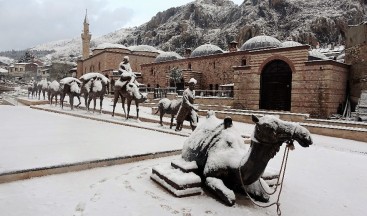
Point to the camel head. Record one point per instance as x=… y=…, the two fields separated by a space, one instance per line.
x=272 y=130
x=133 y=91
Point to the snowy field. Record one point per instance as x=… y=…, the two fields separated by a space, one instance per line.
x=327 y=178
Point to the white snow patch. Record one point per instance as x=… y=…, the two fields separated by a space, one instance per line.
x=97 y=85
x=214 y=183
x=91 y=75
x=68 y=80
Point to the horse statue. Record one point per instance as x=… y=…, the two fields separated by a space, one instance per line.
x=70 y=86
x=130 y=92
x=88 y=84
x=227 y=165
x=42 y=87
x=54 y=90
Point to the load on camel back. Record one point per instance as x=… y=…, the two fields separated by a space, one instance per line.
x=216 y=152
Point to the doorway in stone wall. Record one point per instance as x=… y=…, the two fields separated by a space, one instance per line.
x=276 y=86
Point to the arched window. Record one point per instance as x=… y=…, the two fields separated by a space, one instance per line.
x=214 y=65
x=243 y=62
x=99 y=66
x=189 y=66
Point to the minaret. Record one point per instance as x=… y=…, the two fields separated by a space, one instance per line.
x=86 y=37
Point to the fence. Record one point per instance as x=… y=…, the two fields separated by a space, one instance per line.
x=162 y=92
x=210 y=93
x=158 y=92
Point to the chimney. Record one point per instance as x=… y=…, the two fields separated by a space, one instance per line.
x=187 y=52
x=233 y=46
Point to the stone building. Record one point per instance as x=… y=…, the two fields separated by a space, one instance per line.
x=106 y=58
x=356 y=56
x=265 y=73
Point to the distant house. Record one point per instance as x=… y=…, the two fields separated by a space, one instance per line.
x=23 y=70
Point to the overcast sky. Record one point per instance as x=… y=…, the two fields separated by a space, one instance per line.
x=26 y=23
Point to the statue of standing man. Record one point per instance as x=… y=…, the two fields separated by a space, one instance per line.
x=187 y=109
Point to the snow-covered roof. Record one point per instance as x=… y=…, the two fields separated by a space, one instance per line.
x=291 y=44
x=206 y=49
x=143 y=48
x=227 y=85
x=341 y=58
x=261 y=42
x=317 y=54
x=110 y=45
x=167 y=56
x=2 y=70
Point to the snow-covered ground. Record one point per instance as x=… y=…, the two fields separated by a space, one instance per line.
x=327 y=178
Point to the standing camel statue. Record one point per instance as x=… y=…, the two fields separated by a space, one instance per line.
x=130 y=92
x=227 y=165
x=97 y=90
x=87 y=80
x=70 y=86
x=54 y=91
x=168 y=106
x=42 y=87
x=31 y=88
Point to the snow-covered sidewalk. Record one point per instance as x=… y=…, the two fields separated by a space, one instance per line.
x=325 y=179
x=31 y=138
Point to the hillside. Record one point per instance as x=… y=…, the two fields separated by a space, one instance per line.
x=221 y=21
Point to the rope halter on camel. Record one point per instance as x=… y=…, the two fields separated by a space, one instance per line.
x=289 y=146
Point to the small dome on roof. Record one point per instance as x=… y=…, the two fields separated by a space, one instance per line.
x=143 y=48
x=206 y=49
x=167 y=56
x=317 y=54
x=110 y=45
x=261 y=42
x=291 y=44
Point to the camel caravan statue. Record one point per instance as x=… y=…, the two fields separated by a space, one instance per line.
x=226 y=165
x=70 y=86
x=94 y=85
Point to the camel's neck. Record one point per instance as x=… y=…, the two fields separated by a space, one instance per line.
x=257 y=159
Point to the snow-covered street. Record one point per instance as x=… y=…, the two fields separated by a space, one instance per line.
x=328 y=178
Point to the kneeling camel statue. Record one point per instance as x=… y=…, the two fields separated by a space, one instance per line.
x=226 y=164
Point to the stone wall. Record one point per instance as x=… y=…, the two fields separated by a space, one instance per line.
x=356 y=56
x=109 y=60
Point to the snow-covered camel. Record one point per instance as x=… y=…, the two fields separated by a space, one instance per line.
x=97 y=90
x=70 y=86
x=32 y=88
x=42 y=87
x=54 y=91
x=168 y=106
x=87 y=80
x=227 y=165
x=130 y=92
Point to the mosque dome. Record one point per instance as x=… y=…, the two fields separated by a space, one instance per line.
x=291 y=44
x=206 y=49
x=167 y=56
x=110 y=45
x=143 y=48
x=261 y=42
x=316 y=54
